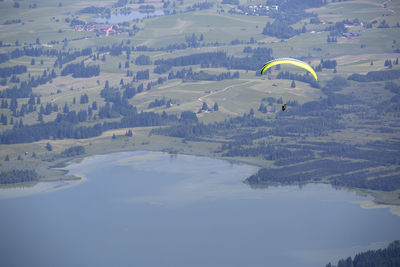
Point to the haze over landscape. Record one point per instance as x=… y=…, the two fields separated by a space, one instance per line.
x=108 y=85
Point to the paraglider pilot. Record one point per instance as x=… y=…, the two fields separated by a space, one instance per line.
x=283 y=107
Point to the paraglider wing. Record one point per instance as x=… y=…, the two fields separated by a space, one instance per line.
x=292 y=61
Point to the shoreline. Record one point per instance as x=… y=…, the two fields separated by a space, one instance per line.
x=80 y=178
x=50 y=168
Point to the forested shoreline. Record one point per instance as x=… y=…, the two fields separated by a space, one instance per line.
x=389 y=256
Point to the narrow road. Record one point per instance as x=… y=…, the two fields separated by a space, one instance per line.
x=223 y=90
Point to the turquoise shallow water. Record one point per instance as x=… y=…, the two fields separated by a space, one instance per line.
x=153 y=209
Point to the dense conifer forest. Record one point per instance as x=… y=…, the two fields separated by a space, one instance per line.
x=389 y=256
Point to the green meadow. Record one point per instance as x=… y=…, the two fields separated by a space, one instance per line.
x=48 y=24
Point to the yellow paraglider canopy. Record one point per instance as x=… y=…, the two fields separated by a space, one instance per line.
x=292 y=61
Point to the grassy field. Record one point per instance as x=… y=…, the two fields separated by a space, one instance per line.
x=47 y=18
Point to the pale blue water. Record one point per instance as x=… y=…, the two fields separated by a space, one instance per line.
x=119 y=18
x=151 y=209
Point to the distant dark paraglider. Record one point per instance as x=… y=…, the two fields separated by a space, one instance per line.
x=283 y=107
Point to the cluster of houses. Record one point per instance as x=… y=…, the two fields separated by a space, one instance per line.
x=256 y=10
x=107 y=29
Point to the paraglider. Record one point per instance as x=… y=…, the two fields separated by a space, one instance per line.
x=292 y=61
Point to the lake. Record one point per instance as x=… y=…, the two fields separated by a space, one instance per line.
x=134 y=15
x=155 y=209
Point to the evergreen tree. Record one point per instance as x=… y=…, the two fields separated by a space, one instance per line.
x=129 y=133
x=13 y=104
x=216 y=106
x=40 y=117
x=143 y=60
x=4 y=103
x=22 y=111
x=31 y=100
x=66 y=108
x=251 y=114
x=7 y=158
x=48 y=109
x=49 y=147
x=84 y=99
x=293 y=84
x=3 y=119
x=388 y=63
x=140 y=88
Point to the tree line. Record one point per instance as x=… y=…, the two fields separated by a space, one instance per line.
x=218 y=59
x=18 y=176
x=281 y=29
x=32 y=52
x=14 y=70
x=25 y=88
x=189 y=75
x=79 y=70
x=374 y=76
x=66 y=126
x=306 y=78
x=65 y=57
x=389 y=256
x=160 y=102
x=311 y=171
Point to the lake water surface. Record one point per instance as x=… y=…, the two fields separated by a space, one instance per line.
x=153 y=209
x=134 y=15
